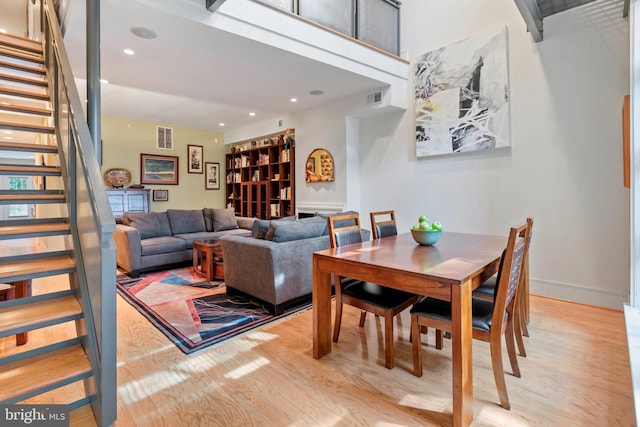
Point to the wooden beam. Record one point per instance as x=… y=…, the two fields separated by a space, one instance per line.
x=532 y=17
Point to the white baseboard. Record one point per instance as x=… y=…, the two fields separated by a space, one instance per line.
x=579 y=294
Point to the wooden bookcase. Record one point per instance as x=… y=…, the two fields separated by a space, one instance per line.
x=260 y=177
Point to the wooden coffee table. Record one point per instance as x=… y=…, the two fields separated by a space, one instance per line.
x=207 y=259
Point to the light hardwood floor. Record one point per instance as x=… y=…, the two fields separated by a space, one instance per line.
x=576 y=374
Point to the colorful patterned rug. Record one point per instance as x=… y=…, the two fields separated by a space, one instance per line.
x=192 y=313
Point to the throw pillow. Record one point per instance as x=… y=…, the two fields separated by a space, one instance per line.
x=287 y=231
x=207 y=213
x=153 y=224
x=185 y=221
x=224 y=219
x=260 y=228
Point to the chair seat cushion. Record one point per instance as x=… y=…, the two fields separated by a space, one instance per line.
x=482 y=311
x=381 y=296
x=488 y=287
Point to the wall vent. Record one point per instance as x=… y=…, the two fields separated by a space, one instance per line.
x=164 y=139
x=374 y=98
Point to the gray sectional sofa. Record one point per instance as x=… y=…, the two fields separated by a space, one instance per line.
x=275 y=263
x=149 y=241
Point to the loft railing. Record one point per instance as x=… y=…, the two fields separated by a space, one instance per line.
x=374 y=22
x=90 y=219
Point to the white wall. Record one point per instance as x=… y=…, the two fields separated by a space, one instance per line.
x=564 y=166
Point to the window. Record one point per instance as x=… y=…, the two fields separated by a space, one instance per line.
x=18 y=183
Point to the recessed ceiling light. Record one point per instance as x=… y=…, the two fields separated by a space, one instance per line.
x=143 y=33
x=220 y=124
x=128 y=51
x=317 y=92
x=252 y=114
x=104 y=81
x=294 y=99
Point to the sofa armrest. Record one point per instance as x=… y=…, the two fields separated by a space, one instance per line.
x=128 y=247
x=273 y=272
x=244 y=222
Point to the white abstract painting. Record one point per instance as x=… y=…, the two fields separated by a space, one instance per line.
x=462 y=96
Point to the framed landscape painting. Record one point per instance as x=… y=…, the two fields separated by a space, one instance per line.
x=155 y=169
x=462 y=96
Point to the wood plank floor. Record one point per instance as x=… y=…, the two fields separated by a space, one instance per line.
x=576 y=374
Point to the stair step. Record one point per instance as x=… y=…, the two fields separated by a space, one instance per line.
x=32 y=268
x=82 y=417
x=12 y=197
x=24 y=79
x=25 y=109
x=24 y=68
x=22 y=93
x=35 y=315
x=44 y=372
x=23 y=43
x=26 y=146
x=27 y=127
x=23 y=231
x=30 y=170
x=21 y=55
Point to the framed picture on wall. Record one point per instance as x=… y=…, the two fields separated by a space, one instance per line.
x=155 y=169
x=194 y=158
x=212 y=176
x=160 y=195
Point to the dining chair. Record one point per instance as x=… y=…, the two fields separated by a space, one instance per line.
x=383 y=224
x=521 y=316
x=491 y=319
x=368 y=297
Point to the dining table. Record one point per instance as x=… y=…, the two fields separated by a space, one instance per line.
x=448 y=270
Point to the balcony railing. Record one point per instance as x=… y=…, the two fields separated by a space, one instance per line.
x=374 y=22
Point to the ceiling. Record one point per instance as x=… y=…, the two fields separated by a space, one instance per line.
x=197 y=76
x=194 y=75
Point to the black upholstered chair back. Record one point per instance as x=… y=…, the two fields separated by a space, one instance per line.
x=344 y=229
x=348 y=237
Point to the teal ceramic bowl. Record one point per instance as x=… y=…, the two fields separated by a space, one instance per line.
x=426 y=238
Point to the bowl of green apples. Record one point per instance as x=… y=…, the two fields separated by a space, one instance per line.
x=426 y=232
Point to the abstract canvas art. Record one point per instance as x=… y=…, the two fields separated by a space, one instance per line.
x=462 y=96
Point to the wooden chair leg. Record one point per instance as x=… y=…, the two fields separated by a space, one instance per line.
x=517 y=331
x=388 y=341
x=511 y=348
x=439 y=339
x=338 y=321
x=417 y=346
x=22 y=291
x=498 y=372
x=363 y=317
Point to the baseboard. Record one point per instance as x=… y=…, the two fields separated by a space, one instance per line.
x=579 y=294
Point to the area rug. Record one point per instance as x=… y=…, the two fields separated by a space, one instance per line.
x=193 y=313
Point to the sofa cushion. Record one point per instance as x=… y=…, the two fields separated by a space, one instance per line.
x=261 y=226
x=207 y=213
x=286 y=231
x=152 y=224
x=224 y=219
x=186 y=221
x=162 y=245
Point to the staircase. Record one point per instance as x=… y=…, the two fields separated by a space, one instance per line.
x=54 y=230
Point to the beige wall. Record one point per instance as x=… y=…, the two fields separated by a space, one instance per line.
x=123 y=140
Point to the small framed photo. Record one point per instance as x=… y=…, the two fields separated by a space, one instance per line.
x=160 y=195
x=194 y=158
x=212 y=176
x=162 y=170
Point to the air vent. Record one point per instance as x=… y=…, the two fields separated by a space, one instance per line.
x=374 y=98
x=164 y=138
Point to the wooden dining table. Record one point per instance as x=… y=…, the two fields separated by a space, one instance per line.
x=448 y=270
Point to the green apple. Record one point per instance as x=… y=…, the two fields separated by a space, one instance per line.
x=436 y=225
x=416 y=227
x=425 y=226
x=423 y=218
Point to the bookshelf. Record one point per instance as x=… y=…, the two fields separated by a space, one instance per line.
x=260 y=177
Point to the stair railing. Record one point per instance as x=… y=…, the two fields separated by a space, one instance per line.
x=90 y=217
